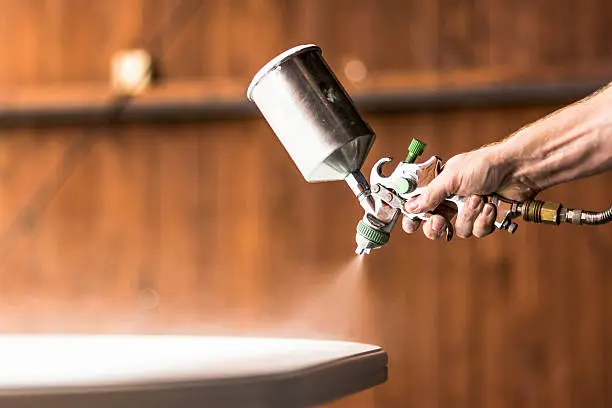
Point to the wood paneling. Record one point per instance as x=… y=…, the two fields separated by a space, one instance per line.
x=70 y=40
x=209 y=228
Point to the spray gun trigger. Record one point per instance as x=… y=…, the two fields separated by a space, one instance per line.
x=393 y=200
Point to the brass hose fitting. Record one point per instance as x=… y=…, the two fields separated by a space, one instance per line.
x=545 y=212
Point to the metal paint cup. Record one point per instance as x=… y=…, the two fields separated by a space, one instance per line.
x=311 y=114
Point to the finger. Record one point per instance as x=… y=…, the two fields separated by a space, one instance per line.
x=484 y=224
x=467 y=216
x=409 y=225
x=431 y=197
x=435 y=227
x=447 y=210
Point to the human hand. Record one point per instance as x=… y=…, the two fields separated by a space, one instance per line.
x=472 y=175
x=571 y=143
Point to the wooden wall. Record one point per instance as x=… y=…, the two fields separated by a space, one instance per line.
x=207 y=227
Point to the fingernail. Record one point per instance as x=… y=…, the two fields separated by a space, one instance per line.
x=488 y=210
x=409 y=226
x=412 y=206
x=437 y=225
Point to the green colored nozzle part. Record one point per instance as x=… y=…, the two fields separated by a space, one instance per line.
x=415 y=149
x=374 y=235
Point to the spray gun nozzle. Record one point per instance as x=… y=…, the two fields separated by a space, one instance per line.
x=362 y=251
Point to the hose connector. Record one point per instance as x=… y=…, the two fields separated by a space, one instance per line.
x=542 y=212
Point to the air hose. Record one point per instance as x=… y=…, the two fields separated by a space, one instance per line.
x=588 y=217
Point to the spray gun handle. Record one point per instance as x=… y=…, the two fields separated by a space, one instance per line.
x=537 y=211
x=507 y=210
x=409 y=179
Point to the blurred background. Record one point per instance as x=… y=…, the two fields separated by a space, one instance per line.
x=176 y=210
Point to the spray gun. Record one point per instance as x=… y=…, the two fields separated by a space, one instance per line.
x=317 y=123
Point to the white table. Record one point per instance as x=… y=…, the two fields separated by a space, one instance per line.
x=182 y=371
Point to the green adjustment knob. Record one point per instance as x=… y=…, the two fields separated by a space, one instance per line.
x=415 y=149
x=404 y=186
x=374 y=235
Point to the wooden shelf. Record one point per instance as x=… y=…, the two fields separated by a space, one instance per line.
x=211 y=99
x=77 y=103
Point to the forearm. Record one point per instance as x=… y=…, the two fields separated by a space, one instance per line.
x=572 y=143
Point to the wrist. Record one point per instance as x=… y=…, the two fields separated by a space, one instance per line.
x=504 y=158
x=516 y=165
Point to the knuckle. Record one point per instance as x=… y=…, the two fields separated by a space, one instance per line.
x=463 y=227
x=465 y=215
x=425 y=195
x=476 y=204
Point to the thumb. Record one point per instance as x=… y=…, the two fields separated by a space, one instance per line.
x=431 y=197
